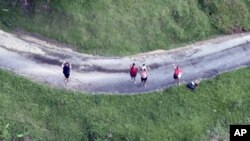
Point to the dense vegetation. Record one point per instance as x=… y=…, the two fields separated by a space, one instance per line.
x=122 y=27
x=37 y=112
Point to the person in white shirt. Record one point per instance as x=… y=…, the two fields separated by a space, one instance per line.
x=144 y=67
x=144 y=76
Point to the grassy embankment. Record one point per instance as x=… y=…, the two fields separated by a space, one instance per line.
x=123 y=27
x=42 y=113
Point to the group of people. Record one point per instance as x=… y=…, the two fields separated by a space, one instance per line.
x=144 y=74
x=133 y=73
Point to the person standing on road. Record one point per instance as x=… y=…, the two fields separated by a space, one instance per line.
x=144 y=76
x=177 y=74
x=133 y=72
x=144 y=67
x=66 y=71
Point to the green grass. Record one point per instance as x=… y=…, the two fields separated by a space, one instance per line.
x=124 y=27
x=176 y=114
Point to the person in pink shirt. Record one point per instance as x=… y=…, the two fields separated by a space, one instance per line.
x=144 y=76
x=177 y=74
x=133 y=72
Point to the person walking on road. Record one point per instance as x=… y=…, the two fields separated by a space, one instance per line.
x=66 y=71
x=144 y=67
x=133 y=72
x=144 y=76
x=177 y=74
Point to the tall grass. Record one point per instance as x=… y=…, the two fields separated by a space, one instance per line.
x=38 y=112
x=123 y=27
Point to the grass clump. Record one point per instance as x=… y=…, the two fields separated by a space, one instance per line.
x=227 y=16
x=37 y=112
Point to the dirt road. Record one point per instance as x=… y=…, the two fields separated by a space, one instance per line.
x=40 y=60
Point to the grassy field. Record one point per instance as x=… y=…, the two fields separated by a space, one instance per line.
x=124 y=27
x=37 y=112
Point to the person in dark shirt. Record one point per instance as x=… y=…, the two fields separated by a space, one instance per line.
x=66 y=71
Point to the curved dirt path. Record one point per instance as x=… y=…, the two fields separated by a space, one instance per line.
x=40 y=61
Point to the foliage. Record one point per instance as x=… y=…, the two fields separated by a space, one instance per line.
x=42 y=113
x=124 y=27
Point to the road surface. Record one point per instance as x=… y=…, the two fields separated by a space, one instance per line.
x=40 y=60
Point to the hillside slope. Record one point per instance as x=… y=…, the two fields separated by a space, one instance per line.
x=117 y=27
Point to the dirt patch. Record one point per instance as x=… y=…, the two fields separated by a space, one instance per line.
x=91 y=68
x=237 y=29
x=21 y=33
x=88 y=68
x=43 y=59
x=154 y=66
x=59 y=55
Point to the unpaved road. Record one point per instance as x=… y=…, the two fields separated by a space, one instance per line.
x=40 y=60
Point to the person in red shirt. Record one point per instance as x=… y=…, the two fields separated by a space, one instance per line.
x=177 y=74
x=133 y=72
